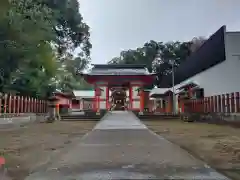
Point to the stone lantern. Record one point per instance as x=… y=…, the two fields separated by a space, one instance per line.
x=53 y=109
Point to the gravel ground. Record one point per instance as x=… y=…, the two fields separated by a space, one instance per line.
x=121 y=147
x=32 y=146
x=217 y=145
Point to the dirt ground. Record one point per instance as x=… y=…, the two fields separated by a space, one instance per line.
x=32 y=146
x=217 y=145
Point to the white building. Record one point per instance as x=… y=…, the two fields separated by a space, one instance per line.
x=83 y=100
x=215 y=66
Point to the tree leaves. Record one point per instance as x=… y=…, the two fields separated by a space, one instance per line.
x=32 y=32
x=69 y=27
x=156 y=56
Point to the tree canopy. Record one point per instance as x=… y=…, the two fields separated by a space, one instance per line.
x=37 y=41
x=158 y=56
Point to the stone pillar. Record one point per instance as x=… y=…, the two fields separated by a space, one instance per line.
x=53 y=110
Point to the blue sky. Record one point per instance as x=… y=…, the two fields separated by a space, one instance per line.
x=118 y=25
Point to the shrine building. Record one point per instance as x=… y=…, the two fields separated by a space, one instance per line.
x=119 y=86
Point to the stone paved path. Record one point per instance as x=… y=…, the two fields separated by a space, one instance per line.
x=121 y=147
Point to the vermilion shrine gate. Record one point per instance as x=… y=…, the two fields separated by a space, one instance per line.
x=119 y=86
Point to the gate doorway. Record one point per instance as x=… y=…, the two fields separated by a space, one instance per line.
x=118 y=97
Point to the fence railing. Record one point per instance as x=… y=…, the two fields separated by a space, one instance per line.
x=224 y=103
x=19 y=104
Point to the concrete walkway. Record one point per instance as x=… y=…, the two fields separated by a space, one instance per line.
x=121 y=147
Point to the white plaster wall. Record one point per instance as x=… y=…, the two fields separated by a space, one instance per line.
x=102 y=104
x=135 y=92
x=104 y=91
x=136 y=104
x=224 y=77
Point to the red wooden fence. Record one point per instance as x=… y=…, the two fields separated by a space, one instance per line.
x=20 y=104
x=225 y=103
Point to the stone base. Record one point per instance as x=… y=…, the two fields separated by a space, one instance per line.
x=17 y=120
x=232 y=119
x=51 y=119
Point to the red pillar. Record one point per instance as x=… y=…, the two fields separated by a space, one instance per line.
x=46 y=106
x=194 y=105
x=1 y=106
x=25 y=105
x=5 y=103
x=18 y=104
x=95 y=100
x=202 y=105
x=14 y=104
x=10 y=104
x=223 y=103
x=130 y=97
x=36 y=105
x=197 y=105
x=22 y=106
x=208 y=105
x=39 y=106
x=141 y=100
x=228 y=103
x=205 y=104
x=212 y=104
x=219 y=104
x=43 y=106
x=29 y=104
x=107 y=98
x=33 y=101
x=216 y=103
x=232 y=103
x=33 y=104
x=169 y=104
x=182 y=105
x=237 y=102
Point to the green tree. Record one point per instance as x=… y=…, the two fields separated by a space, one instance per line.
x=35 y=35
x=68 y=25
x=157 y=56
x=20 y=44
x=196 y=43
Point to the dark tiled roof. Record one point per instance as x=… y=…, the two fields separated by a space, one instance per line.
x=119 y=69
x=66 y=95
x=119 y=66
x=188 y=85
x=211 y=53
